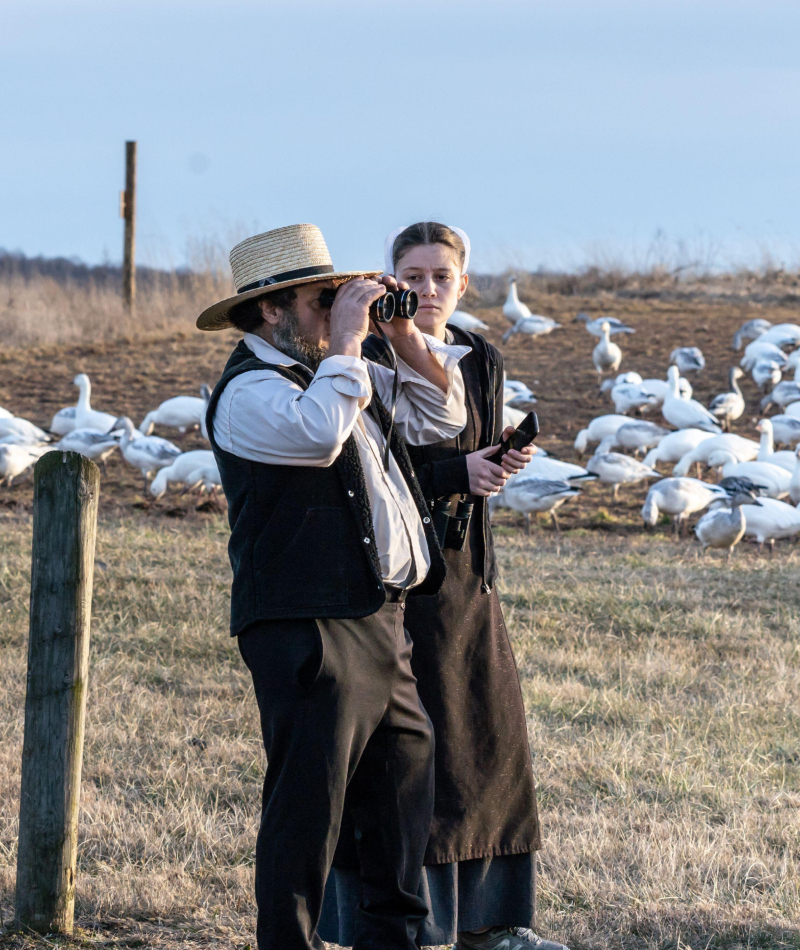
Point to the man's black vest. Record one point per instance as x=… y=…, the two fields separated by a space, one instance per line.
x=302 y=542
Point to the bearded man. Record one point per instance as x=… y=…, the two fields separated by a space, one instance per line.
x=326 y=541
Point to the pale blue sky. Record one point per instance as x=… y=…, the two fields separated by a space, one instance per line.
x=545 y=129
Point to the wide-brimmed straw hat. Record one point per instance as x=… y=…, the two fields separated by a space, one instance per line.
x=272 y=261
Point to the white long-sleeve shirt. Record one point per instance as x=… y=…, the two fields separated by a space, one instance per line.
x=264 y=417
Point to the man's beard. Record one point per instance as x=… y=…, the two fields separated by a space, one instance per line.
x=289 y=340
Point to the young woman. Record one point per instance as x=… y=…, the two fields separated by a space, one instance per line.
x=480 y=874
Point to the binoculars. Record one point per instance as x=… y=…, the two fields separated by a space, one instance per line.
x=394 y=303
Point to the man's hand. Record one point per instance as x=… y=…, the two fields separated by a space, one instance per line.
x=485 y=477
x=350 y=315
x=516 y=459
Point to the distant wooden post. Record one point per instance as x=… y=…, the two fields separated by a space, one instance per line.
x=66 y=488
x=128 y=211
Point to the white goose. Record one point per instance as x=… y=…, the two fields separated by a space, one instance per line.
x=675 y=445
x=766 y=450
x=514 y=309
x=783 y=334
x=793 y=409
x=516 y=392
x=594 y=327
x=640 y=436
x=794 y=484
x=180 y=412
x=771 y=521
x=613 y=468
x=606 y=356
x=729 y=406
x=685 y=413
x=17 y=459
x=774 y=478
x=21 y=427
x=660 y=387
x=766 y=374
x=530 y=494
x=750 y=330
x=598 y=429
x=546 y=467
x=628 y=397
x=179 y=471
x=535 y=325
x=64 y=420
x=679 y=498
x=205 y=479
x=761 y=350
x=5 y=414
x=743 y=450
x=688 y=359
x=786 y=428
x=465 y=321
x=92 y=443
x=85 y=416
x=630 y=377
x=148 y=453
x=784 y=393
x=724 y=527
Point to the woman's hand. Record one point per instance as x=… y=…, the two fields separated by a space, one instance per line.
x=485 y=477
x=516 y=459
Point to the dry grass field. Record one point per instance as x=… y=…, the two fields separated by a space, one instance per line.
x=662 y=690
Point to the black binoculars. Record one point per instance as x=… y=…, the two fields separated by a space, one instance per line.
x=394 y=303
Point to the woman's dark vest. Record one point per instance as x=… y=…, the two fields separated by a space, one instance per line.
x=302 y=541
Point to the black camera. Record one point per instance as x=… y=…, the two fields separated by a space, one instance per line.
x=394 y=303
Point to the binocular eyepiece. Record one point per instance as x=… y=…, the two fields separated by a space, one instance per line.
x=394 y=303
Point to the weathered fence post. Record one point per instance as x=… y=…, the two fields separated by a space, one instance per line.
x=129 y=214
x=66 y=489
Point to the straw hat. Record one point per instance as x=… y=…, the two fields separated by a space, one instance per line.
x=271 y=261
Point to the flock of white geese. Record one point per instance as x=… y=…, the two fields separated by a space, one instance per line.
x=98 y=435
x=758 y=491
x=757 y=495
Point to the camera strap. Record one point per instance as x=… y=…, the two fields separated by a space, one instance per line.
x=393 y=360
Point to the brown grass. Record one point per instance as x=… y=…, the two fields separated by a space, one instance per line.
x=663 y=691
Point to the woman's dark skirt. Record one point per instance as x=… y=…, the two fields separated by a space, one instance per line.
x=466 y=895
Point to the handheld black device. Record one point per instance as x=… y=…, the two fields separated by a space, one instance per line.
x=394 y=303
x=523 y=435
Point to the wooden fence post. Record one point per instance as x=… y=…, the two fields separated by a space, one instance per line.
x=66 y=488
x=129 y=214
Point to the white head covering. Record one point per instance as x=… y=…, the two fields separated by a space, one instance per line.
x=388 y=244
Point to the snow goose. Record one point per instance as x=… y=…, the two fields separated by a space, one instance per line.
x=205 y=479
x=21 y=427
x=750 y=330
x=530 y=494
x=17 y=459
x=771 y=521
x=639 y=436
x=782 y=334
x=629 y=397
x=92 y=443
x=724 y=527
x=766 y=449
x=675 y=445
x=465 y=321
x=660 y=387
x=594 y=327
x=179 y=412
x=782 y=395
x=514 y=309
x=535 y=325
x=608 y=384
x=759 y=350
x=766 y=374
x=794 y=484
x=679 y=498
x=744 y=450
x=148 y=453
x=606 y=356
x=729 y=406
x=598 y=429
x=546 y=467
x=186 y=464
x=774 y=478
x=688 y=359
x=613 y=468
x=793 y=410
x=786 y=428
x=685 y=413
x=516 y=392
x=85 y=416
x=64 y=420
x=5 y=414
